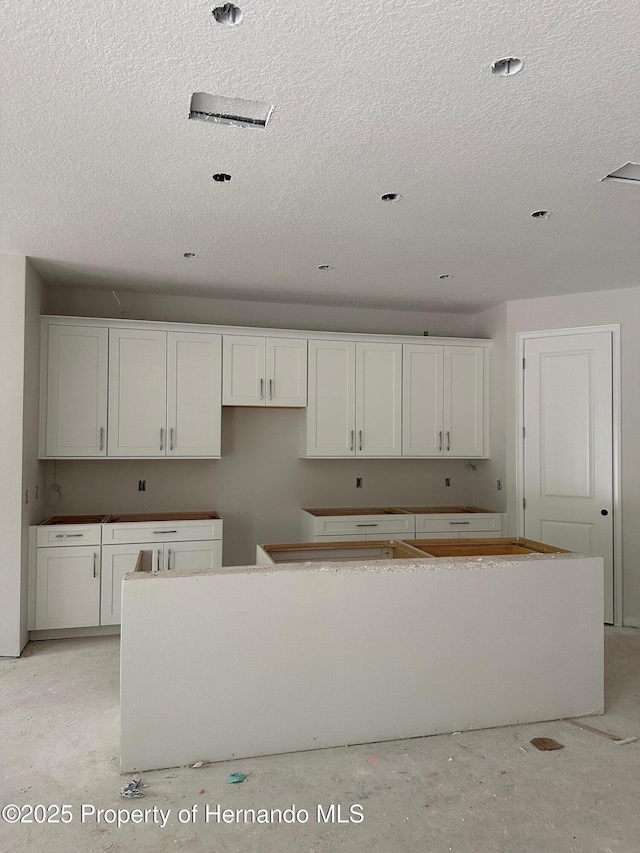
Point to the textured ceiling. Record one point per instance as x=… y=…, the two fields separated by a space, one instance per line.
x=106 y=183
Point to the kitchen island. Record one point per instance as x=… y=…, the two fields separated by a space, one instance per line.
x=259 y=660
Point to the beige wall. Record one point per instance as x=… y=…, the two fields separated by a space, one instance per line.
x=20 y=292
x=576 y=310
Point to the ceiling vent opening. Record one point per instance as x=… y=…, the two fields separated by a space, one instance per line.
x=627 y=174
x=234 y=111
x=227 y=15
x=507 y=67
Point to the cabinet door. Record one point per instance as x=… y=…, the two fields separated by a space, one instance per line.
x=378 y=399
x=422 y=401
x=117 y=560
x=286 y=372
x=76 y=411
x=331 y=410
x=194 y=395
x=243 y=371
x=137 y=392
x=464 y=401
x=193 y=555
x=67 y=587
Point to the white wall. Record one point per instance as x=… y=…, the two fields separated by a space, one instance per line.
x=187 y=309
x=20 y=292
x=558 y=312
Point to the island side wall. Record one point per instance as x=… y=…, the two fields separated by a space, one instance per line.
x=254 y=662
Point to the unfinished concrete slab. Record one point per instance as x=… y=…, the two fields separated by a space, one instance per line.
x=295 y=657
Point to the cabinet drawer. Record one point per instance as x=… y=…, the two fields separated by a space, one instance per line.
x=343 y=537
x=382 y=525
x=68 y=534
x=162 y=531
x=459 y=523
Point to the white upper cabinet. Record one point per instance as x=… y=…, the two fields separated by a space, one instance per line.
x=137 y=392
x=423 y=400
x=464 y=401
x=264 y=371
x=331 y=411
x=194 y=363
x=243 y=363
x=74 y=417
x=443 y=401
x=378 y=399
x=286 y=372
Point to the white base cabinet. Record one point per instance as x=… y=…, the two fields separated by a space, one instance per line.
x=67 y=587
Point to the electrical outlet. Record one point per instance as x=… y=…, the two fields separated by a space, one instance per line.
x=358 y=482
x=499 y=485
x=142 y=485
x=447 y=481
x=37 y=490
x=26 y=496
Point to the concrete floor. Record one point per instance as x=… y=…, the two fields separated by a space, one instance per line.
x=481 y=791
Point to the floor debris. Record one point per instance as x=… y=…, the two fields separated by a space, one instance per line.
x=546 y=743
x=625 y=740
x=132 y=789
x=615 y=738
x=233 y=778
x=198 y=764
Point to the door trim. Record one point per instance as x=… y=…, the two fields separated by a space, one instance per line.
x=614 y=330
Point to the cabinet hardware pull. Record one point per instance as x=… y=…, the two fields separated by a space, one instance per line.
x=171 y=439
x=459 y=522
x=161 y=438
x=440 y=439
x=262 y=389
x=366 y=525
x=271 y=389
x=448 y=440
x=101 y=438
x=360 y=434
x=159 y=558
x=68 y=535
x=353 y=435
x=165 y=531
x=95 y=560
x=168 y=559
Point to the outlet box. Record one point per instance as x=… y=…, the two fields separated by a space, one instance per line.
x=447 y=481
x=499 y=485
x=358 y=482
x=142 y=485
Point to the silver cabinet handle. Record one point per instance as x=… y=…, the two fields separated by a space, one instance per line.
x=440 y=440
x=161 y=438
x=95 y=561
x=271 y=389
x=448 y=440
x=171 y=439
x=459 y=522
x=168 y=558
x=69 y=535
x=101 y=438
x=159 y=559
x=262 y=389
x=366 y=525
x=360 y=437
x=164 y=531
x=353 y=435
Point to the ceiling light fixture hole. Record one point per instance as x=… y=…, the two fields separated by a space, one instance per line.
x=540 y=214
x=507 y=67
x=391 y=197
x=189 y=255
x=221 y=177
x=228 y=15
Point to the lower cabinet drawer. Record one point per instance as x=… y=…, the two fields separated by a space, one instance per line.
x=459 y=523
x=161 y=531
x=342 y=537
x=64 y=535
x=385 y=526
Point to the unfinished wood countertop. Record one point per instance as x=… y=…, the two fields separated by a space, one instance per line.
x=393 y=510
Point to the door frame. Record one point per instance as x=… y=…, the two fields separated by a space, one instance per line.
x=614 y=330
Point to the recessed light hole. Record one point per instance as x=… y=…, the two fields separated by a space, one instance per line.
x=221 y=177
x=507 y=67
x=228 y=15
x=540 y=214
x=391 y=197
x=190 y=255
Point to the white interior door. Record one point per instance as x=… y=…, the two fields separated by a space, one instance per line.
x=137 y=392
x=76 y=411
x=422 y=398
x=243 y=371
x=378 y=399
x=194 y=394
x=286 y=372
x=331 y=409
x=568 y=446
